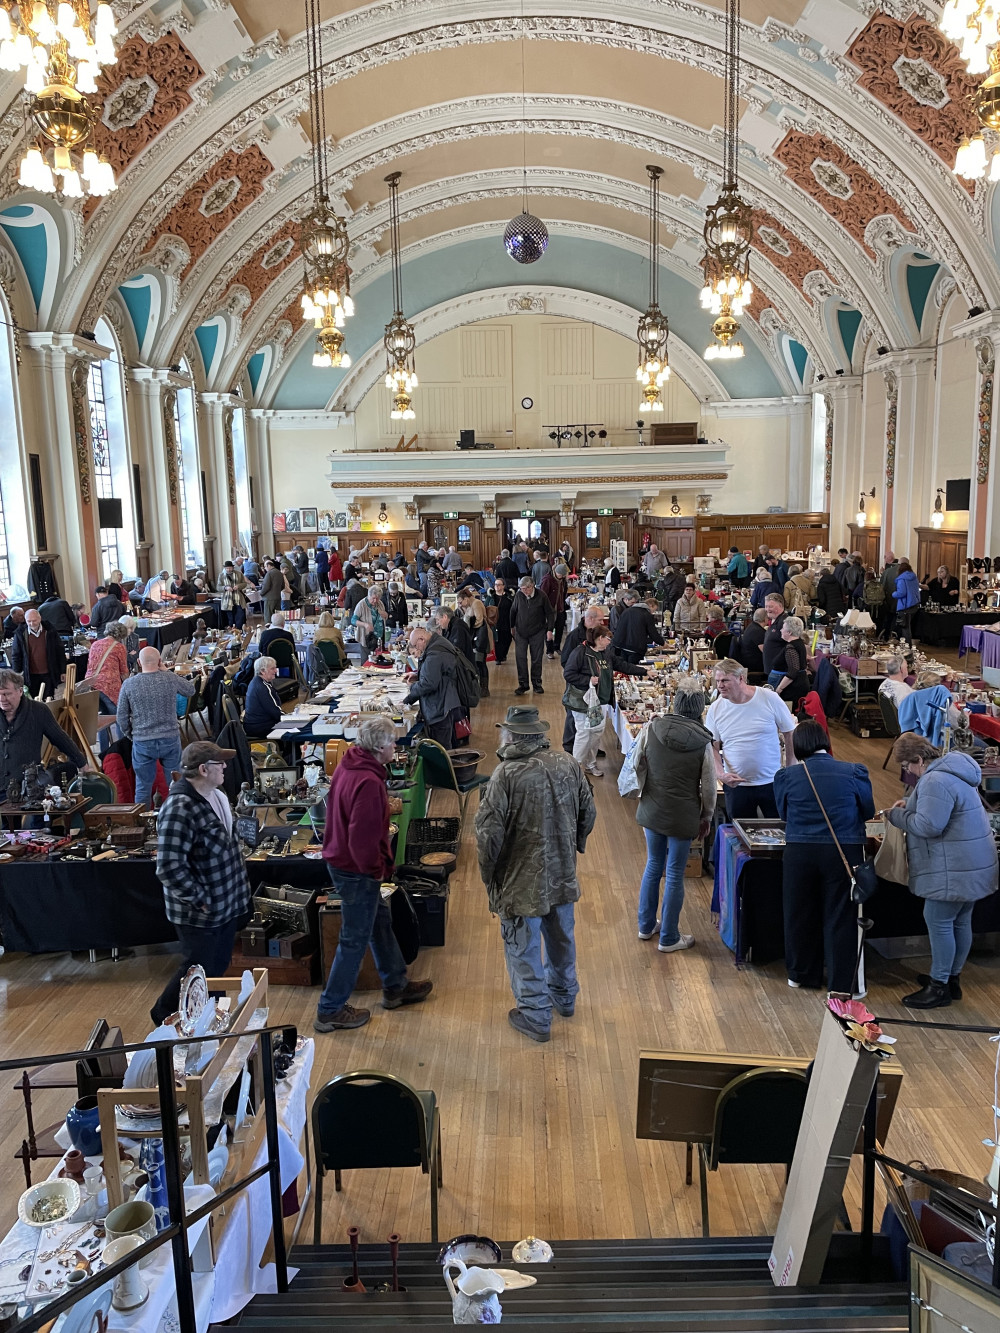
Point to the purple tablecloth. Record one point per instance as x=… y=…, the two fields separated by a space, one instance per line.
x=975 y=639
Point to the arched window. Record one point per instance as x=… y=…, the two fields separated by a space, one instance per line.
x=14 y=547
x=464 y=537
x=106 y=394
x=189 y=474
x=244 y=520
x=535 y=530
x=592 y=536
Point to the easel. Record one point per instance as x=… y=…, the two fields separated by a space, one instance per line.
x=65 y=713
x=406 y=445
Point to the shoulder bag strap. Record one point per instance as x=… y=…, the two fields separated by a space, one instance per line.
x=847 y=867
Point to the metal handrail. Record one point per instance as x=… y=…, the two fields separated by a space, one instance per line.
x=176 y=1232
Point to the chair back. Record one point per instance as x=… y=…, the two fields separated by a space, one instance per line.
x=369 y=1119
x=722 y=644
x=330 y=654
x=230 y=708
x=757 y=1117
x=97 y=787
x=283 y=653
x=890 y=714
x=438 y=769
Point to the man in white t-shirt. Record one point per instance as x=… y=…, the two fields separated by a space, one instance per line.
x=895 y=685
x=746 y=722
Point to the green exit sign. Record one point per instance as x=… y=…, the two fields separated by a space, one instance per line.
x=527 y=513
x=451 y=513
x=605 y=513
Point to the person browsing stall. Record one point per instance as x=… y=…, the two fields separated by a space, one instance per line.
x=746 y=723
x=433 y=685
x=358 y=855
x=263 y=707
x=24 y=725
x=147 y=715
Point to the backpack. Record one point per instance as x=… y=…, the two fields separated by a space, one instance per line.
x=874 y=592
x=466 y=681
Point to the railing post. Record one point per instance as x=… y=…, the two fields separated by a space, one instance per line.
x=175 y=1189
x=273 y=1160
x=868 y=1184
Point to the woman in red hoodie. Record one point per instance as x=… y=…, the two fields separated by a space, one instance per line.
x=357 y=852
x=336 y=567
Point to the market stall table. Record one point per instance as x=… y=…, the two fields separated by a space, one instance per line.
x=12 y=815
x=945 y=627
x=982 y=725
x=175 y=627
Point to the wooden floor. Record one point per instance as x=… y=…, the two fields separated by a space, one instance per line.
x=540 y=1139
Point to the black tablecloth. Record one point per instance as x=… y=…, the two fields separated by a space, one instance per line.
x=57 y=907
x=935 y=627
x=178 y=630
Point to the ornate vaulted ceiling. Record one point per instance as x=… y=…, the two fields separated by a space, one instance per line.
x=850 y=116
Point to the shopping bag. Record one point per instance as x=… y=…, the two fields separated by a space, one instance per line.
x=628 y=782
x=595 y=713
x=891 y=860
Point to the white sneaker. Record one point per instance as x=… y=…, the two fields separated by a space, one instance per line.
x=650 y=934
x=795 y=985
x=594 y=771
x=684 y=942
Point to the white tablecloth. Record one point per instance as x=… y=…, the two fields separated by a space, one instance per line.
x=237 y=1277
x=625 y=738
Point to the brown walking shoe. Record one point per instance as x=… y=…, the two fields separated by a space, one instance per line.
x=412 y=993
x=343 y=1018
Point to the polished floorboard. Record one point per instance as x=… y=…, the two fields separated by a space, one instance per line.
x=540 y=1139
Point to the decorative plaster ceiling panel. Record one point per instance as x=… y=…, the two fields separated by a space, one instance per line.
x=271 y=259
x=785 y=251
x=211 y=204
x=915 y=71
x=139 y=96
x=554 y=68
x=821 y=167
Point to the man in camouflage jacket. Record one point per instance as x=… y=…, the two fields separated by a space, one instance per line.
x=534 y=818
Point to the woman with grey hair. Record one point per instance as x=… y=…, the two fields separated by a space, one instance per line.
x=131 y=640
x=790 y=677
x=676 y=772
x=263 y=707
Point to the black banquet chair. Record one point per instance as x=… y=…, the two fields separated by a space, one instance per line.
x=757 y=1118
x=365 y=1120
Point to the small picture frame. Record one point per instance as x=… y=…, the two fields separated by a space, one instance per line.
x=293 y=521
x=326 y=522
x=277 y=523
x=340 y=520
x=308 y=519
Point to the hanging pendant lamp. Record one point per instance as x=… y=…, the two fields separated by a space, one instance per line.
x=400 y=338
x=654 y=328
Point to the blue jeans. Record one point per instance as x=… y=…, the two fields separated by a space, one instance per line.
x=949 y=925
x=536 y=986
x=670 y=854
x=144 y=756
x=364 y=920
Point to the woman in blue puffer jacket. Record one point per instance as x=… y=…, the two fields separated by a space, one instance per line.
x=907 y=597
x=952 y=856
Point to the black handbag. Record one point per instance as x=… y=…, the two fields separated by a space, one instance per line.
x=863 y=876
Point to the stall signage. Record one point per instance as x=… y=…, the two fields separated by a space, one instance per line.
x=527 y=513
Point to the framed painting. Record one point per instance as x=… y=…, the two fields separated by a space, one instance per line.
x=277 y=523
x=308 y=519
x=293 y=520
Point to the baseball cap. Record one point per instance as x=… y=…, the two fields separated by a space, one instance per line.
x=204 y=752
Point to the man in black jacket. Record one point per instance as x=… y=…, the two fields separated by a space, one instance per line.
x=503 y=600
x=37 y=654
x=24 y=724
x=57 y=615
x=774 y=645
x=106 y=609
x=506 y=569
x=592 y=617
x=635 y=629
x=433 y=684
x=453 y=628
x=531 y=622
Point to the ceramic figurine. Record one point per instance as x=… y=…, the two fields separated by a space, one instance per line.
x=475 y=1296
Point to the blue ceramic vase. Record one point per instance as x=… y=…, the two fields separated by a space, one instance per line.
x=83 y=1124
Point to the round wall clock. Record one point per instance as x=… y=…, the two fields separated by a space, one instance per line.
x=527 y=403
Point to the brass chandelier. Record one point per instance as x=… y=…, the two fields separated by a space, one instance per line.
x=62 y=47
x=728 y=227
x=654 y=329
x=400 y=339
x=974 y=27
x=323 y=239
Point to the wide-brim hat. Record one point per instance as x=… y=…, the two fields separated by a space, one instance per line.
x=523 y=719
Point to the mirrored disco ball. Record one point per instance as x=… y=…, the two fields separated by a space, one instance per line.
x=525 y=238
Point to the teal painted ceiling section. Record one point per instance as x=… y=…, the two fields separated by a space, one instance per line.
x=138 y=302
x=799 y=357
x=919 y=280
x=207 y=336
x=32 y=248
x=482 y=264
x=254 y=368
x=848 y=322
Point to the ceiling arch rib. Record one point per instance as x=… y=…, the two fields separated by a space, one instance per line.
x=762 y=60
x=842 y=265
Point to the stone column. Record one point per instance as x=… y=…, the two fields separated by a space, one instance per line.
x=220 y=476
x=843 y=454
x=57 y=423
x=984 y=536
x=909 y=454
x=258 y=421
x=154 y=448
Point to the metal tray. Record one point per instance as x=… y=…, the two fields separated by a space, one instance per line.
x=748 y=828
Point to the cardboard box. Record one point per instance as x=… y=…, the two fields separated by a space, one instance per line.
x=867 y=666
x=839 y=1090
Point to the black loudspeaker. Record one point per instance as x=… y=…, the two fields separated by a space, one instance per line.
x=957 y=493
x=467 y=439
x=109 y=513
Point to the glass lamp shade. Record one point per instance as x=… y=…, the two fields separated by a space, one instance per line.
x=400 y=338
x=525 y=238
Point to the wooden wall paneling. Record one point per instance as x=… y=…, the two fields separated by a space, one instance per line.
x=939 y=546
x=868 y=541
x=748 y=531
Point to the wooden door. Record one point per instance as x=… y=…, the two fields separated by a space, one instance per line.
x=938 y=546
x=595 y=533
x=867 y=540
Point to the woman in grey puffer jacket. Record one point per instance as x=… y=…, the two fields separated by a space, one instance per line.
x=952 y=857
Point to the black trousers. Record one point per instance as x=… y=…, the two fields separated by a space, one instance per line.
x=35 y=683
x=212 y=947
x=324 y=582
x=537 y=645
x=555 y=642
x=821 y=922
x=742 y=801
x=442 y=732
x=501 y=642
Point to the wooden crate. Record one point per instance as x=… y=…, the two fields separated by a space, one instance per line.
x=280 y=971
x=329 y=934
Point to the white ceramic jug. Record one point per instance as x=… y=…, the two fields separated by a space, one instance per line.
x=474 y=1295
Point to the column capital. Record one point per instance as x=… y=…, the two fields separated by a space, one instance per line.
x=155 y=378
x=842 y=386
x=221 y=399
x=986 y=325
x=60 y=348
x=908 y=364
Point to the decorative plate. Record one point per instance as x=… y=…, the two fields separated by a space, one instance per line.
x=193 y=998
